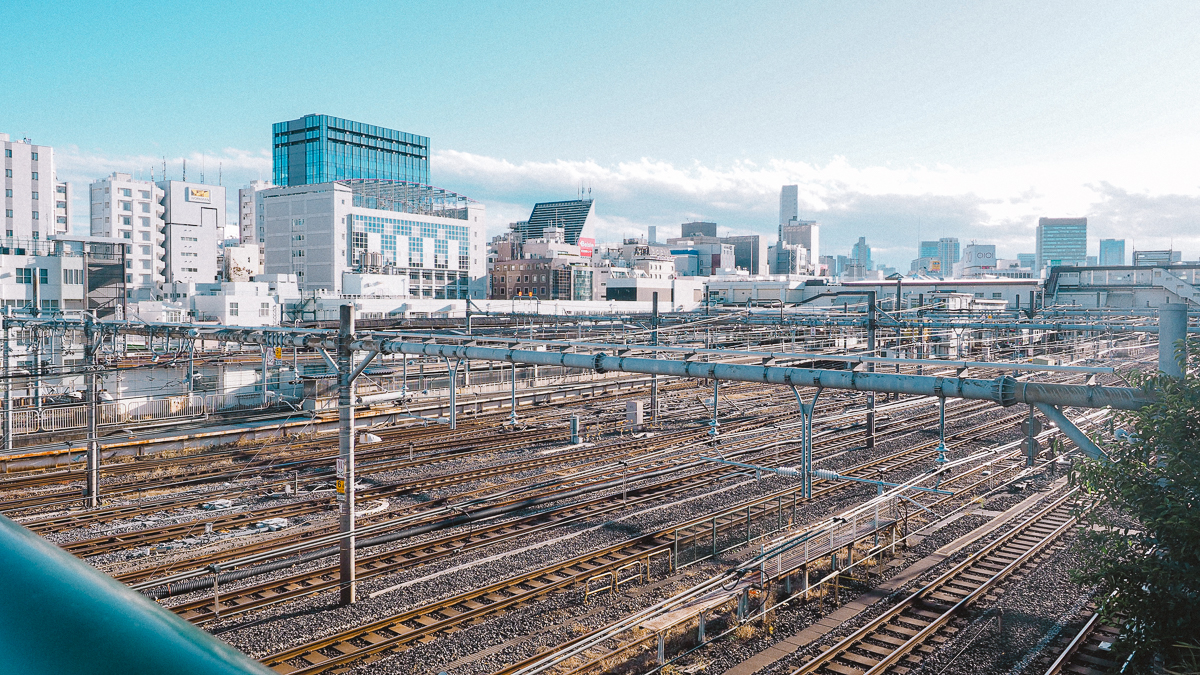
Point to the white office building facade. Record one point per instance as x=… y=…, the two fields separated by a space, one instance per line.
x=36 y=204
x=193 y=223
x=130 y=210
x=431 y=237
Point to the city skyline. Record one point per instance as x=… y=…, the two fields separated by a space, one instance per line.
x=1034 y=121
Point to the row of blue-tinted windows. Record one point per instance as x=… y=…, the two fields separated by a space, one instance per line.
x=395 y=226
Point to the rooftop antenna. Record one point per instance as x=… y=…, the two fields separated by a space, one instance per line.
x=201 y=167
x=185 y=170
x=164 y=167
x=218 y=173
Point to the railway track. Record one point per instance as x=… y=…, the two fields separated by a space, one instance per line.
x=691 y=481
x=1089 y=652
x=897 y=640
x=373 y=640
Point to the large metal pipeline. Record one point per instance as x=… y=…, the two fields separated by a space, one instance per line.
x=1005 y=390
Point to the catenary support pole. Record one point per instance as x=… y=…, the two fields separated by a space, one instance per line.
x=452 y=371
x=806 y=415
x=8 y=411
x=512 y=417
x=90 y=343
x=345 y=492
x=716 y=393
x=871 y=368
x=263 y=400
x=654 y=341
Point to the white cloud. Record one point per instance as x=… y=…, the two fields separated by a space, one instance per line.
x=1150 y=195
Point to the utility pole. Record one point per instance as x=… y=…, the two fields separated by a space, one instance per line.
x=8 y=411
x=654 y=341
x=345 y=478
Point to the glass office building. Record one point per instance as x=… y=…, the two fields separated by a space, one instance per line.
x=1112 y=252
x=1061 y=241
x=321 y=149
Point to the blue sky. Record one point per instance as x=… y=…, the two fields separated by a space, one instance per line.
x=962 y=119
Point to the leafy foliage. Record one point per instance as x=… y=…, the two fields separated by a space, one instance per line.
x=1144 y=541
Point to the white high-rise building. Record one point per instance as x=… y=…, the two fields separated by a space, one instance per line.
x=123 y=207
x=247 y=220
x=36 y=205
x=789 y=204
x=249 y=223
x=193 y=223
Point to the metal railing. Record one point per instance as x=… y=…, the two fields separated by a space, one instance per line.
x=185 y=406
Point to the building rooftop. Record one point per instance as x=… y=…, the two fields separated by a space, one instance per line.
x=407 y=197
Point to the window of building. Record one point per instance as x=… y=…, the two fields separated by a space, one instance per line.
x=49 y=305
x=8 y=214
x=997 y=296
x=35 y=234
x=264 y=309
x=33 y=156
x=189 y=269
x=62 y=220
x=73 y=277
x=35 y=175
x=127 y=234
x=8 y=173
x=144 y=222
x=126 y=192
x=35 y=215
x=44 y=276
x=233 y=309
x=298 y=253
x=8 y=193
x=188 y=239
x=145 y=264
x=61 y=189
x=7 y=152
x=24 y=276
x=35 y=195
x=8 y=233
x=126 y=206
x=145 y=250
x=188 y=254
x=145 y=207
x=127 y=220
x=60 y=205
x=145 y=236
x=145 y=278
x=128 y=264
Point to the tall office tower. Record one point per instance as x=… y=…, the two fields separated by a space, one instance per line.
x=319 y=149
x=36 y=205
x=1027 y=260
x=125 y=208
x=698 y=228
x=805 y=233
x=861 y=254
x=929 y=249
x=948 y=252
x=1061 y=241
x=1112 y=252
x=789 y=204
x=652 y=234
x=193 y=223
